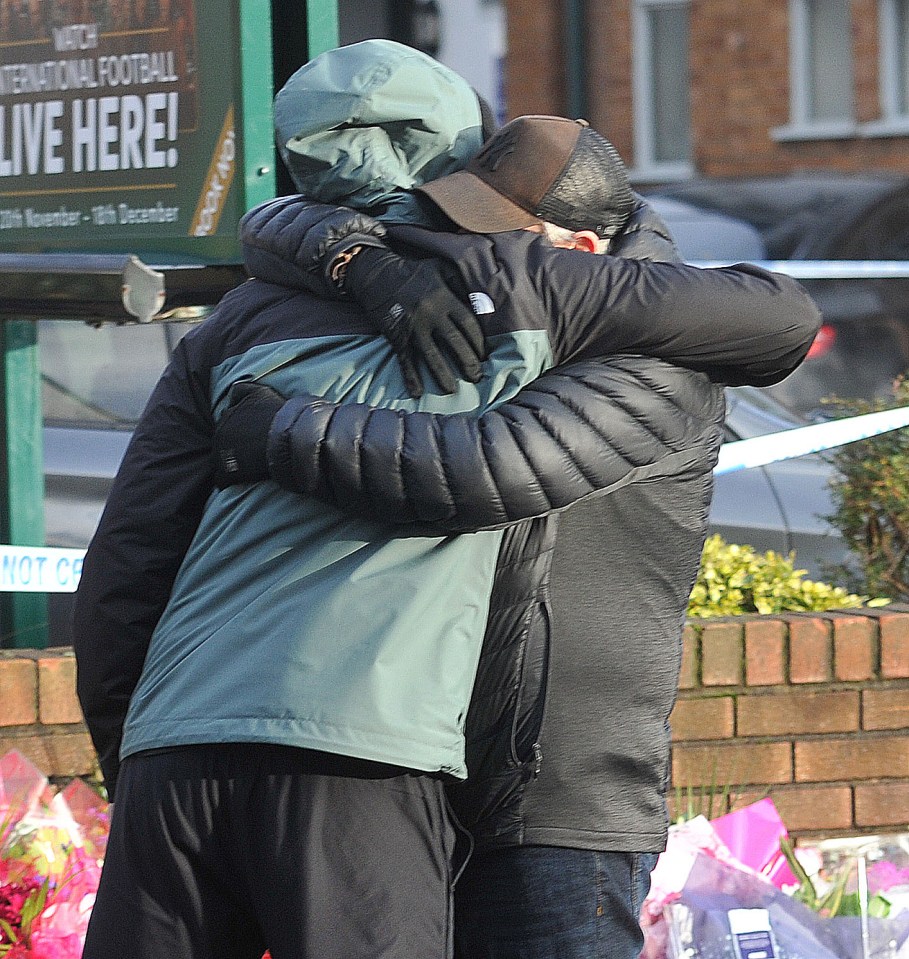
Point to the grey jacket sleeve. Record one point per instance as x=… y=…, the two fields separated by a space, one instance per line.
x=587 y=429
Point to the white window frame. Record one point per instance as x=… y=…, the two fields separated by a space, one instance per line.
x=892 y=67
x=647 y=168
x=801 y=125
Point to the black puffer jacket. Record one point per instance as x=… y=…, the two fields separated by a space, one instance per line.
x=588 y=428
x=627 y=427
x=645 y=432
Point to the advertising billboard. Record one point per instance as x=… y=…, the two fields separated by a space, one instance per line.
x=121 y=124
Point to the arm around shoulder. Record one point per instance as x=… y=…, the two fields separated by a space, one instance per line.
x=587 y=429
x=740 y=324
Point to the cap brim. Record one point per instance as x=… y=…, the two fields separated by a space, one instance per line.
x=474 y=205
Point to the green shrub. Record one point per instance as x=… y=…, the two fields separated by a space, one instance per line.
x=871 y=497
x=735 y=579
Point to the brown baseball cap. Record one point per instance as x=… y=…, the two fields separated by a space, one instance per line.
x=538 y=168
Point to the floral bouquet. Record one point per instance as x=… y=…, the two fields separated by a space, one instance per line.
x=51 y=848
x=735 y=888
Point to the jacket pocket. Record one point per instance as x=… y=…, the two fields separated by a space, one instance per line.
x=530 y=698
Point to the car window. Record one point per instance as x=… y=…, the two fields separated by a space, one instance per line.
x=754 y=412
x=101 y=376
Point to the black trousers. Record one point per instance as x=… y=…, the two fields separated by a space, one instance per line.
x=222 y=852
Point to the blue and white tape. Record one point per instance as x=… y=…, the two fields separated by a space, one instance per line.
x=45 y=569
x=39 y=569
x=788 y=444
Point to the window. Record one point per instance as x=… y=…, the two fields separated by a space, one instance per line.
x=101 y=378
x=820 y=70
x=893 y=18
x=662 y=107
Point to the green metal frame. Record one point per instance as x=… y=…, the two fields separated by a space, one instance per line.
x=256 y=73
x=23 y=616
x=321 y=26
x=256 y=127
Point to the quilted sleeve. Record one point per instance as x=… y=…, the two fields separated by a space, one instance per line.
x=293 y=241
x=585 y=429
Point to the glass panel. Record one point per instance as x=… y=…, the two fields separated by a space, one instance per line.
x=830 y=59
x=669 y=37
x=100 y=377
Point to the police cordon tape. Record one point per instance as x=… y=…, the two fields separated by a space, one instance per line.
x=39 y=569
x=789 y=444
x=45 y=569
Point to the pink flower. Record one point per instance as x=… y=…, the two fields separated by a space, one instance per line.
x=50 y=854
x=63 y=946
x=885 y=875
x=12 y=898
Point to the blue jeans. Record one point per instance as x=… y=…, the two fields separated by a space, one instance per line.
x=539 y=902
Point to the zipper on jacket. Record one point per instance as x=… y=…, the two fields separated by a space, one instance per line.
x=527 y=753
x=537 y=759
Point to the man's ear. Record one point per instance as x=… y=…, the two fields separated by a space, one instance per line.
x=587 y=241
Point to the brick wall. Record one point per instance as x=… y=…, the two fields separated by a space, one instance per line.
x=812 y=708
x=534 y=77
x=39 y=713
x=739 y=69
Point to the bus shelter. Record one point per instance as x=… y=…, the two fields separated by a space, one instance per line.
x=132 y=141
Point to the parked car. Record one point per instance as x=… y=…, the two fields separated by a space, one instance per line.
x=864 y=343
x=811 y=216
x=782 y=506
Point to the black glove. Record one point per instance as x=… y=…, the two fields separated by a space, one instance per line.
x=241 y=435
x=413 y=304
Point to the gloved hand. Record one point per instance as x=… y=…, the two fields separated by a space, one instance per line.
x=241 y=435
x=414 y=305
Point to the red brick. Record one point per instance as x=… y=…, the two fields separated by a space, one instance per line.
x=688 y=674
x=799 y=711
x=809 y=650
x=895 y=646
x=885 y=709
x=703 y=718
x=739 y=84
x=722 y=654
x=71 y=754
x=807 y=807
x=698 y=801
x=882 y=804
x=731 y=764
x=765 y=652
x=854 y=758
x=534 y=37
x=59 y=754
x=18 y=692
x=854 y=648
x=57 y=701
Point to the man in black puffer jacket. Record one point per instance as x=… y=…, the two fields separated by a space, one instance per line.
x=567 y=732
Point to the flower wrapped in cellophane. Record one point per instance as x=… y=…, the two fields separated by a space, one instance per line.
x=51 y=849
x=735 y=888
